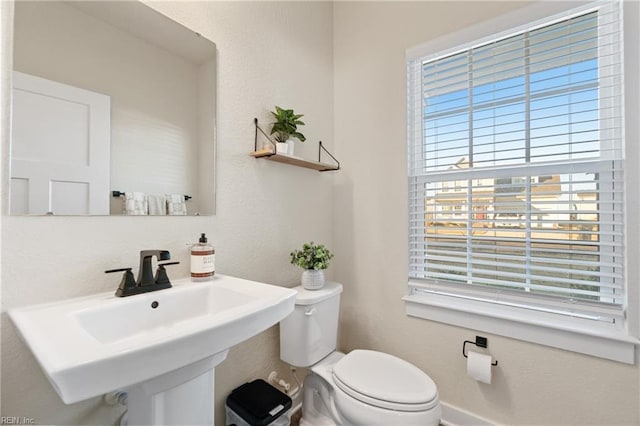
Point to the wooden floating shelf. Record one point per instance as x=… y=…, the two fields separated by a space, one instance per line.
x=268 y=154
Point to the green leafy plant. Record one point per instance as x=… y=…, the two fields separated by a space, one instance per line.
x=286 y=125
x=311 y=256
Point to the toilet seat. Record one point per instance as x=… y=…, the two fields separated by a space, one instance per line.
x=385 y=381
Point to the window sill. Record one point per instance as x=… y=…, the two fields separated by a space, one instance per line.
x=513 y=323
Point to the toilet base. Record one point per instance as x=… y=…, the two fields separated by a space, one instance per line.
x=316 y=403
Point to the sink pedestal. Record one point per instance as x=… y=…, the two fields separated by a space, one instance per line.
x=181 y=397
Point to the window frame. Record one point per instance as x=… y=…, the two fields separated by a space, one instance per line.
x=544 y=328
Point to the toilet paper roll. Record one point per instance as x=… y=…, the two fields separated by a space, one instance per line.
x=479 y=366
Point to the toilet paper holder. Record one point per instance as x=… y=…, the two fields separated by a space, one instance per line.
x=480 y=342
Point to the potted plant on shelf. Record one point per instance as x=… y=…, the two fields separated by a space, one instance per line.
x=314 y=259
x=286 y=127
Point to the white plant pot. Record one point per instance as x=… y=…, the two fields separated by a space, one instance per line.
x=312 y=279
x=282 y=148
x=290 y=146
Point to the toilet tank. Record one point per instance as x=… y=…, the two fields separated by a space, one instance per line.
x=310 y=333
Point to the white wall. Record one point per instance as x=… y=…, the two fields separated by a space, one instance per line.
x=533 y=384
x=269 y=54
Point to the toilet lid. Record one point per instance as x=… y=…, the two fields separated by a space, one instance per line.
x=385 y=381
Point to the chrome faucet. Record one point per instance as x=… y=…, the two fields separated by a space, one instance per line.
x=146 y=281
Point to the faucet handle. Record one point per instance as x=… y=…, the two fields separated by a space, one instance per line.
x=161 y=277
x=128 y=281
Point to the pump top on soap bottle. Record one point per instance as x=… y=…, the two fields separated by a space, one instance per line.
x=203 y=260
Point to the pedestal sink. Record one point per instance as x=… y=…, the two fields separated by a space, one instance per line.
x=162 y=347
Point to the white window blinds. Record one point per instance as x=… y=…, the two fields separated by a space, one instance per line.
x=515 y=169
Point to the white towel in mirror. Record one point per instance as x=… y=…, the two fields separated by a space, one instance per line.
x=157 y=205
x=135 y=204
x=176 y=205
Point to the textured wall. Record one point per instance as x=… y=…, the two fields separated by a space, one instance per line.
x=268 y=54
x=534 y=384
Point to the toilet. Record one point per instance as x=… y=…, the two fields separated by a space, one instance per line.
x=361 y=388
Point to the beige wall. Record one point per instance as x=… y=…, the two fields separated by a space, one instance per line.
x=533 y=384
x=269 y=53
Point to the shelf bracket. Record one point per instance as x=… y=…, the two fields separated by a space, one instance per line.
x=322 y=148
x=255 y=144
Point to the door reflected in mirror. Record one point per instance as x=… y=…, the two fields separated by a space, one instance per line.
x=113 y=112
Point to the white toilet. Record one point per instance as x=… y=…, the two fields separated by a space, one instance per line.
x=361 y=388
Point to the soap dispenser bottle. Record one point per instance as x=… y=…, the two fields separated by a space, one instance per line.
x=203 y=260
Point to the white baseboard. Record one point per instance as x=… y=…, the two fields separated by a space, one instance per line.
x=454 y=416
x=295 y=408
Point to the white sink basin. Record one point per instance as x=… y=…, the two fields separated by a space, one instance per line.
x=96 y=344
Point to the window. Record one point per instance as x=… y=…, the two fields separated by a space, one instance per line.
x=528 y=129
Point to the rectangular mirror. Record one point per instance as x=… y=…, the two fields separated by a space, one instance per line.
x=113 y=112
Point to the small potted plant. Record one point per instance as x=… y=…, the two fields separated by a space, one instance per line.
x=314 y=259
x=286 y=127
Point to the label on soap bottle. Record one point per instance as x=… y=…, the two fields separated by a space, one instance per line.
x=203 y=263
